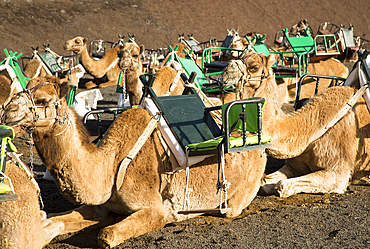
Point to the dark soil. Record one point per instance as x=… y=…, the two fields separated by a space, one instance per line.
x=301 y=221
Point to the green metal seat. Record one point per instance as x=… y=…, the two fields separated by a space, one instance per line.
x=189 y=65
x=193 y=124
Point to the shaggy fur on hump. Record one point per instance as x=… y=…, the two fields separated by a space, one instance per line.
x=4 y=88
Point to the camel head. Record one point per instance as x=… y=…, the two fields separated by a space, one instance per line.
x=38 y=106
x=129 y=56
x=299 y=28
x=245 y=75
x=76 y=44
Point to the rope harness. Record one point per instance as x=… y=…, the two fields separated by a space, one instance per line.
x=28 y=95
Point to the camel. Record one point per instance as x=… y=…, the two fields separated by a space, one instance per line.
x=105 y=71
x=149 y=196
x=6 y=91
x=22 y=223
x=320 y=158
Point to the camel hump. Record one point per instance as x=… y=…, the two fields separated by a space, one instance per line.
x=5 y=89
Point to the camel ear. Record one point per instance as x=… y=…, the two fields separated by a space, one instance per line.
x=142 y=48
x=244 y=41
x=64 y=88
x=271 y=59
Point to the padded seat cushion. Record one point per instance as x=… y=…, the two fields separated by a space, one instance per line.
x=234 y=142
x=4 y=188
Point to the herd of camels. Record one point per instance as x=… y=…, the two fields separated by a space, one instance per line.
x=319 y=158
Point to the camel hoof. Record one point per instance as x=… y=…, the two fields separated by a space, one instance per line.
x=90 y=85
x=284 y=189
x=104 y=85
x=267 y=189
x=106 y=238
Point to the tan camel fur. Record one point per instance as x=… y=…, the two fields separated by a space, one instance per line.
x=105 y=71
x=325 y=165
x=22 y=223
x=5 y=89
x=149 y=197
x=164 y=79
x=34 y=69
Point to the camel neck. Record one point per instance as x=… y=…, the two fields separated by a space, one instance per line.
x=76 y=164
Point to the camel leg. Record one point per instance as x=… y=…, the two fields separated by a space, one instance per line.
x=82 y=217
x=90 y=85
x=138 y=223
x=317 y=182
x=270 y=181
x=109 y=83
x=51 y=229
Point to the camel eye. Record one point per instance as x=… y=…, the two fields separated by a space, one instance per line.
x=254 y=69
x=42 y=101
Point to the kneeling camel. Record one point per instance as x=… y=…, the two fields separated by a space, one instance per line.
x=86 y=173
x=318 y=160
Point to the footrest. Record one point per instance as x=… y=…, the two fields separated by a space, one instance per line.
x=6 y=193
x=284 y=69
x=8 y=197
x=208 y=211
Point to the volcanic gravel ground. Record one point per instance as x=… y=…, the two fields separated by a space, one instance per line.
x=300 y=221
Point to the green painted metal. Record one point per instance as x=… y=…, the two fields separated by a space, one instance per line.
x=50 y=62
x=71 y=95
x=6 y=134
x=12 y=60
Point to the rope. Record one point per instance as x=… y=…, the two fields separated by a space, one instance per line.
x=187 y=189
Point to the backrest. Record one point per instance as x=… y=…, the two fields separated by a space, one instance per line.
x=193 y=45
x=187 y=118
x=251 y=110
x=349 y=40
x=50 y=61
x=227 y=42
x=190 y=66
x=259 y=47
x=300 y=43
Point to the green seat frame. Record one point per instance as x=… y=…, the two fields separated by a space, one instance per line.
x=12 y=60
x=6 y=134
x=189 y=65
